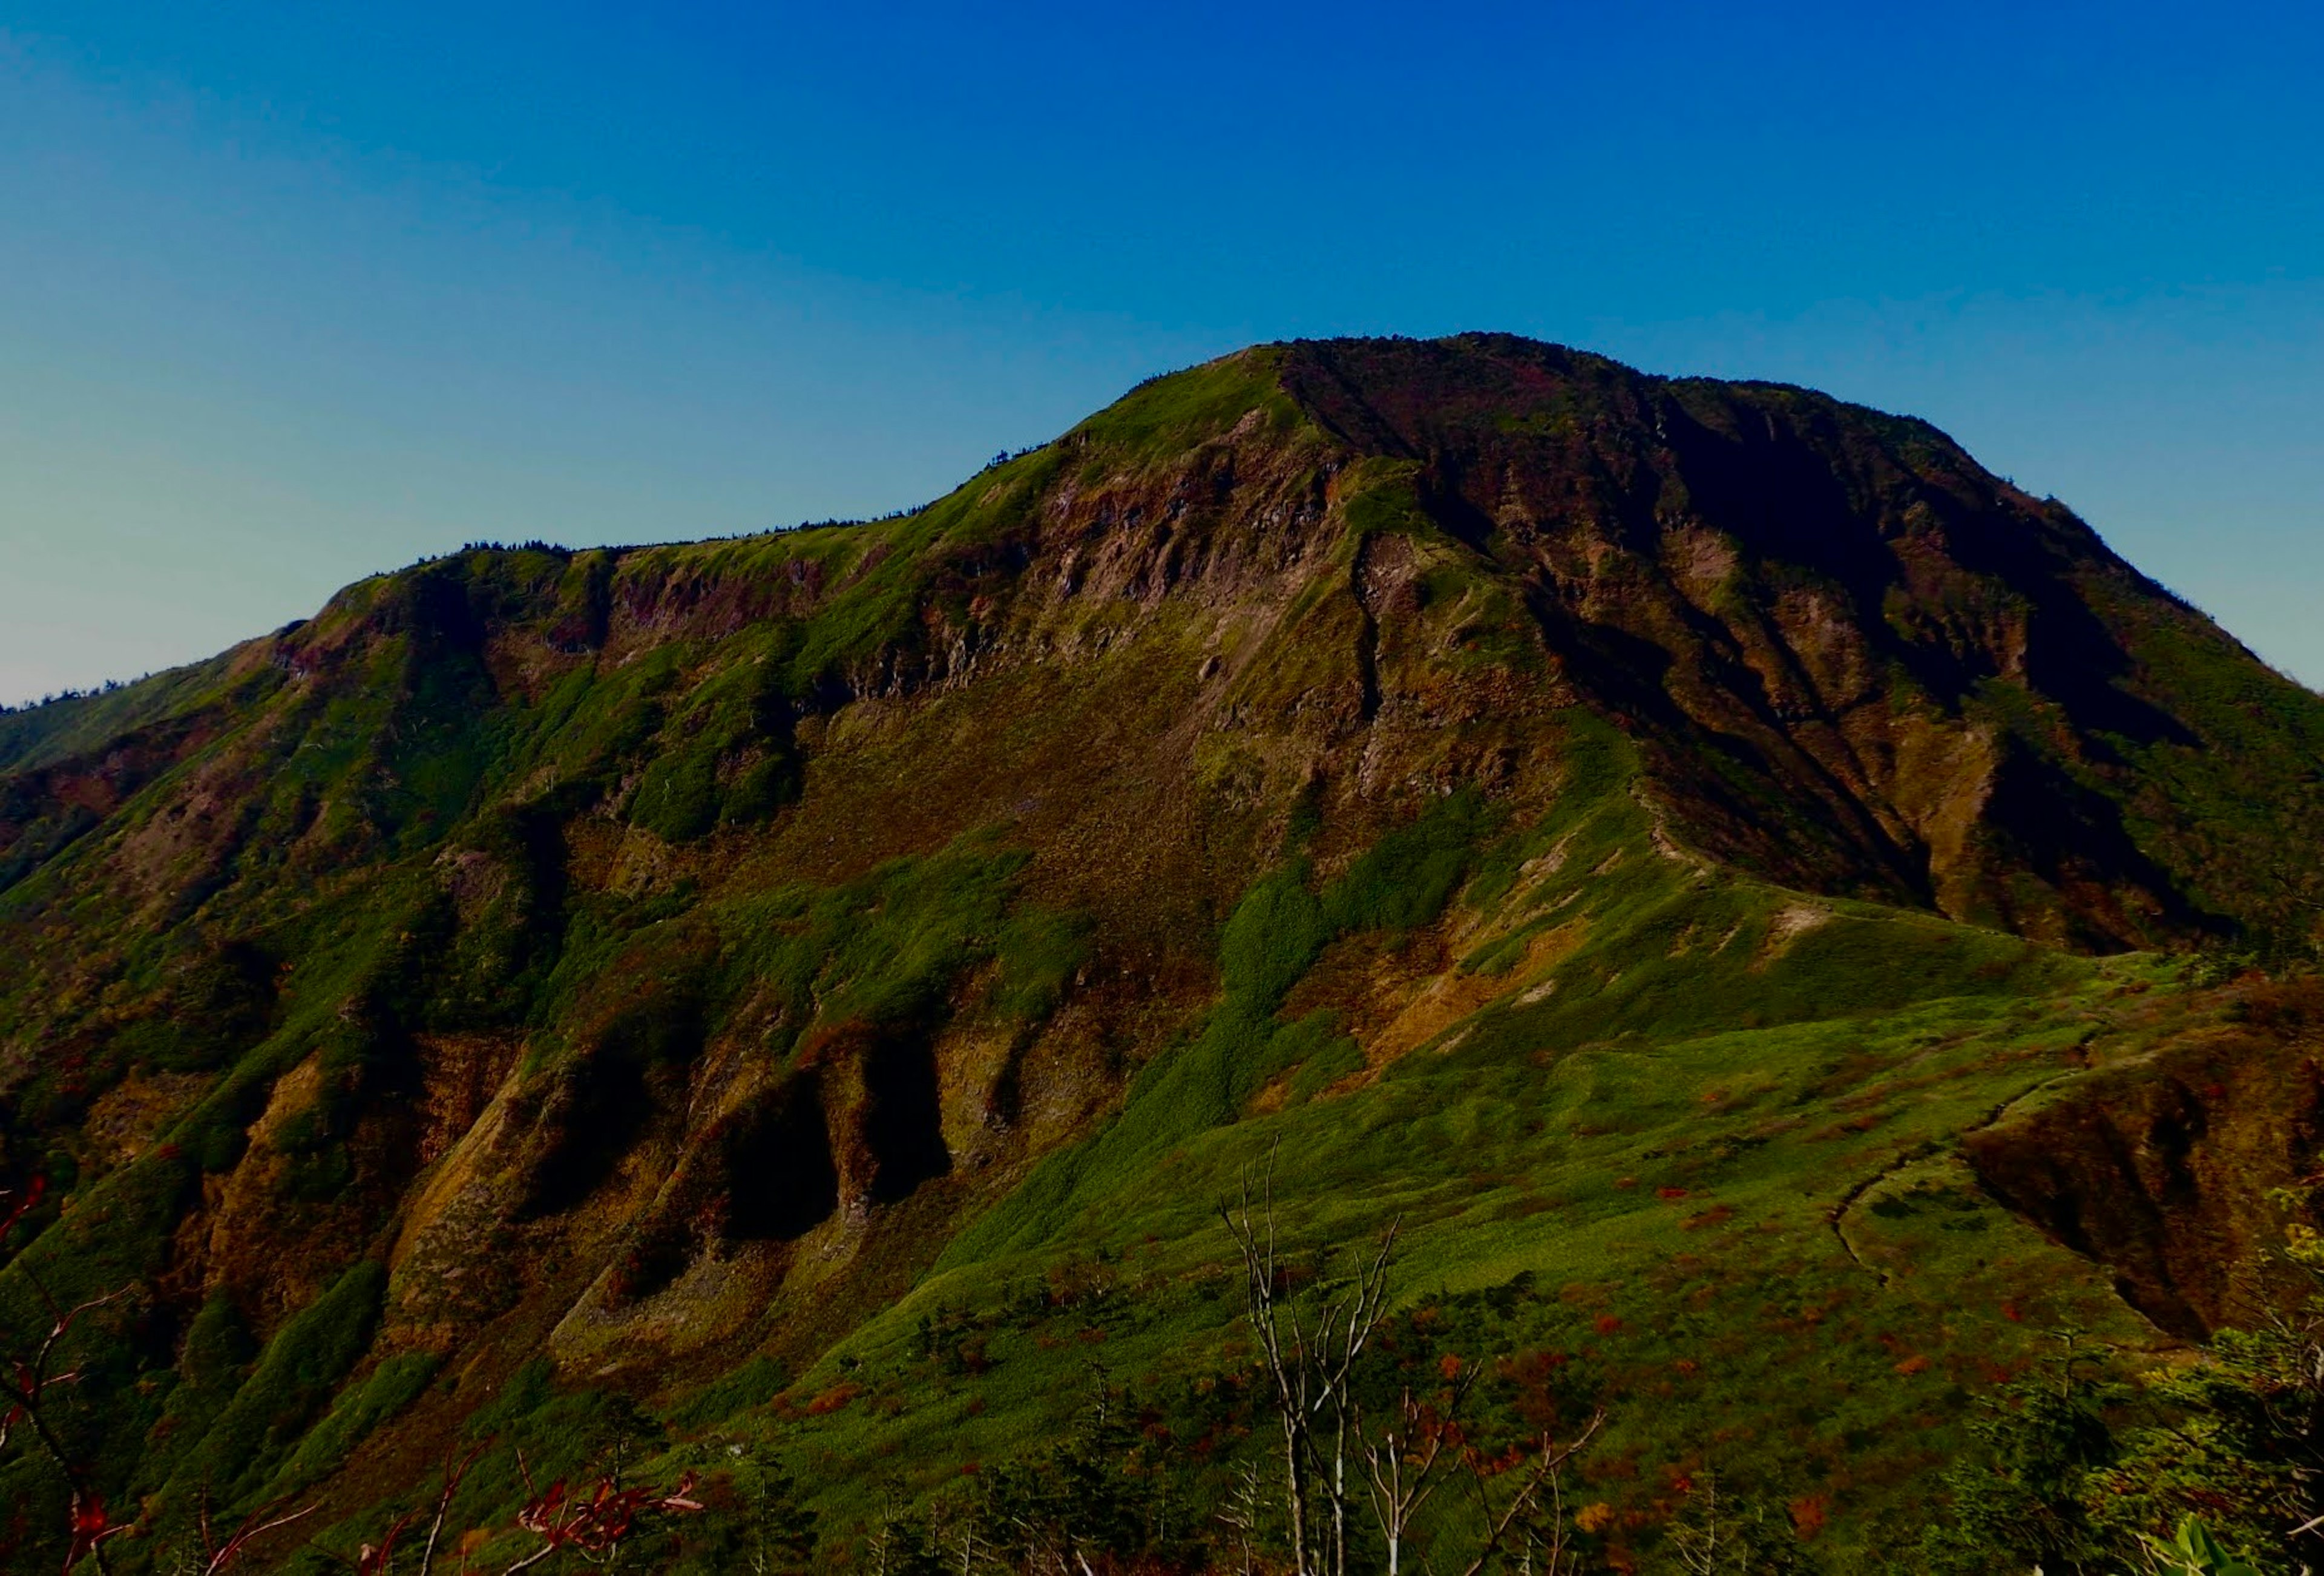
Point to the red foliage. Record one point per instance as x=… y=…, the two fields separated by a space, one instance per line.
x=832 y=1399
x=31 y=1374
x=373 y=1559
x=1530 y=1374
x=89 y=1524
x=26 y=1202
x=599 y=1520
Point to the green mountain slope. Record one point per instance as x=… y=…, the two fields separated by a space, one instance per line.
x=1668 y=842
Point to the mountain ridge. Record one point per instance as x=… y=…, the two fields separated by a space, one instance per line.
x=1790 y=697
x=740 y=945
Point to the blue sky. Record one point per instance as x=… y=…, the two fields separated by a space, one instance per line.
x=293 y=293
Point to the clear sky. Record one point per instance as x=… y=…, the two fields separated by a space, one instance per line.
x=292 y=293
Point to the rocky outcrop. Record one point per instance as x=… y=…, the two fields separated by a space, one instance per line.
x=2163 y=1171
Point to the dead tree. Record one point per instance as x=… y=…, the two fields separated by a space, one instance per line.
x=1311 y=1364
x=1343 y=1330
x=1559 y=1556
x=455 y=1468
x=219 y=1553
x=1717 y=1532
x=1288 y=1369
x=1543 y=1473
x=379 y=1559
x=1403 y=1463
x=29 y=1379
x=1697 y=1539
x=1241 y=1515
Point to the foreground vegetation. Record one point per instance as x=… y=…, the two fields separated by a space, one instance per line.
x=1338 y=1427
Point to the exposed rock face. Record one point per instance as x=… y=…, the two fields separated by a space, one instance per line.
x=2162 y=1171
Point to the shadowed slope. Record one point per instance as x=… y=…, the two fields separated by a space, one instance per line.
x=1860 y=660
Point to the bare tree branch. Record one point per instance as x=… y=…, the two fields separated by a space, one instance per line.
x=1545 y=1472
x=26 y=1381
x=455 y=1468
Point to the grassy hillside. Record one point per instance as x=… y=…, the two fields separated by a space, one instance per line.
x=1685 y=851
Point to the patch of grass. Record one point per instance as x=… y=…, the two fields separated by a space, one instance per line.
x=884 y=949
x=393 y=1386
x=211 y=1366
x=287 y=1390
x=563 y=1434
x=1270 y=943
x=677 y=798
x=1173 y=413
x=754 y=1384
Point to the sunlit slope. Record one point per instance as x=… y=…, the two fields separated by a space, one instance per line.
x=1520 y=788
x=1685 y=1134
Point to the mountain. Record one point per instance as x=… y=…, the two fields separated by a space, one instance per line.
x=1745 y=886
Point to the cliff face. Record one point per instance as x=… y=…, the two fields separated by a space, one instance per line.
x=2162 y=1170
x=655 y=957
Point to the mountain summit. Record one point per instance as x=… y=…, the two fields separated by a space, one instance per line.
x=1653 y=835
